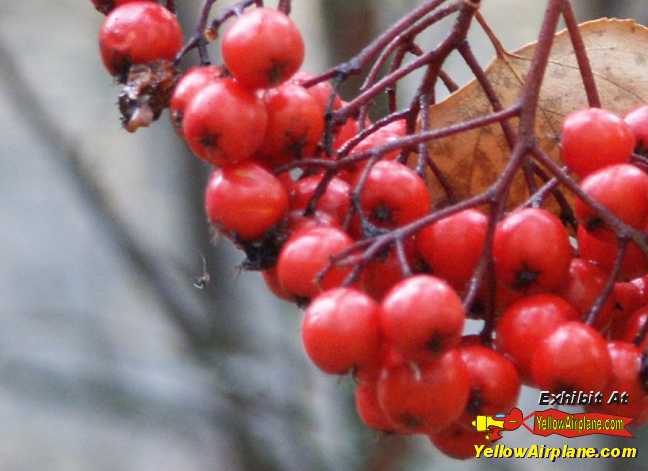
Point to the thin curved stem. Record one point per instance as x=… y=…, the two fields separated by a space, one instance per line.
x=580 y=50
x=602 y=298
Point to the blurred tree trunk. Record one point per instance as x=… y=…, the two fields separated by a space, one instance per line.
x=349 y=27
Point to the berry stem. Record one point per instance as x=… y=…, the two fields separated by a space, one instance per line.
x=403 y=41
x=285 y=6
x=641 y=335
x=448 y=82
x=411 y=140
x=609 y=285
x=581 y=56
x=457 y=34
x=358 y=62
x=197 y=39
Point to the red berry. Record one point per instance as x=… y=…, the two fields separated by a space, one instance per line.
x=341 y=331
x=594 y=138
x=138 y=33
x=531 y=250
x=425 y=397
x=345 y=132
x=634 y=325
x=422 y=314
x=387 y=358
x=295 y=124
x=263 y=48
x=393 y=195
x=335 y=201
x=224 y=123
x=526 y=323
x=378 y=138
x=637 y=119
x=452 y=247
x=494 y=382
x=582 y=288
x=574 y=357
x=383 y=272
x=603 y=252
x=297 y=222
x=626 y=365
x=193 y=81
x=305 y=255
x=627 y=299
x=623 y=189
x=458 y=441
x=245 y=199
x=321 y=92
x=368 y=409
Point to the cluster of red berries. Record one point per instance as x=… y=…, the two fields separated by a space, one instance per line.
x=401 y=335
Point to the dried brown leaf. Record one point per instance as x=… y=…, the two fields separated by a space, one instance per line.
x=618 y=51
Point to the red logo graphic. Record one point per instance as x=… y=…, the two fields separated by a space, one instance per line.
x=553 y=422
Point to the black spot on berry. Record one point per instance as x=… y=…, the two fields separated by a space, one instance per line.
x=525 y=278
x=409 y=420
x=594 y=223
x=475 y=402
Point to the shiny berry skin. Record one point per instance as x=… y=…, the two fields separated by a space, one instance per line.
x=634 y=325
x=245 y=199
x=603 y=253
x=582 y=287
x=452 y=246
x=321 y=92
x=368 y=409
x=192 y=82
x=627 y=300
x=626 y=366
x=138 y=33
x=641 y=283
x=296 y=222
x=262 y=48
x=335 y=201
x=378 y=138
x=637 y=119
x=425 y=397
x=531 y=250
x=526 y=323
x=574 y=357
x=386 y=359
x=224 y=123
x=345 y=132
x=305 y=255
x=594 y=138
x=393 y=195
x=623 y=189
x=106 y=6
x=340 y=330
x=494 y=382
x=295 y=124
x=422 y=314
x=458 y=441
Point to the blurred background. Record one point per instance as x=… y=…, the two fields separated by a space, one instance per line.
x=110 y=357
